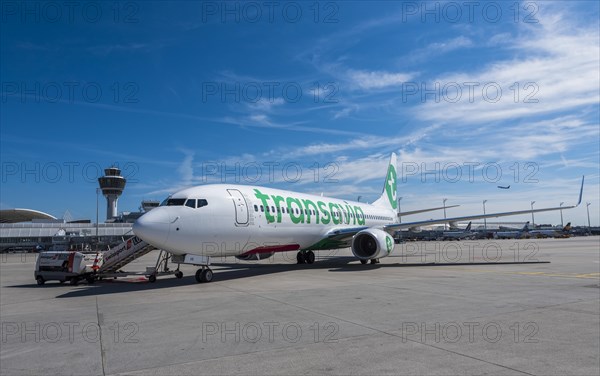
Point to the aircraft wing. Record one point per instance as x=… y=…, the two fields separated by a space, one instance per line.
x=398 y=226
x=425 y=210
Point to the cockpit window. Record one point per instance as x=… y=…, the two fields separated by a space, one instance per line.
x=191 y=203
x=202 y=202
x=175 y=202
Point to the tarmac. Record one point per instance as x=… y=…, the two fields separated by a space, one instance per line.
x=436 y=308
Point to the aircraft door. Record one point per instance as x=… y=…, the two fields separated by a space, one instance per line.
x=241 y=208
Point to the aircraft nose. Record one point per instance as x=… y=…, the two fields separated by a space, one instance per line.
x=153 y=227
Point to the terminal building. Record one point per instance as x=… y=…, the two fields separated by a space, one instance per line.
x=29 y=230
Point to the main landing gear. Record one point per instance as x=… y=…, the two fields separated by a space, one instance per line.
x=204 y=275
x=307 y=257
x=373 y=261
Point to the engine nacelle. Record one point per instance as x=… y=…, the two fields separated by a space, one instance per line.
x=371 y=244
x=255 y=256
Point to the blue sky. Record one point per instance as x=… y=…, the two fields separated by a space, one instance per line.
x=304 y=96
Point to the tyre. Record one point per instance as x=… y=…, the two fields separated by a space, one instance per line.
x=40 y=280
x=198 y=275
x=300 y=258
x=310 y=257
x=206 y=275
x=364 y=262
x=152 y=278
x=179 y=274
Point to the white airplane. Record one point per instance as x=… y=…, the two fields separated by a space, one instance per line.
x=513 y=234
x=252 y=222
x=551 y=232
x=459 y=234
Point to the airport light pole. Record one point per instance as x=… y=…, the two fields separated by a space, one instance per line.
x=399 y=211
x=561 y=217
x=444 y=202
x=532 y=217
x=587 y=205
x=484 y=219
x=97 y=195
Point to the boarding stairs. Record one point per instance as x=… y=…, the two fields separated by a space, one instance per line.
x=130 y=249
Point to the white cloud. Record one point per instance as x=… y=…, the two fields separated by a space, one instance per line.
x=439 y=48
x=266 y=105
x=558 y=61
x=377 y=79
x=451 y=44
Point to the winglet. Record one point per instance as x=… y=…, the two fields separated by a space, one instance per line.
x=581 y=190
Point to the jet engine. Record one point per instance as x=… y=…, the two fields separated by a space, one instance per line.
x=254 y=256
x=372 y=244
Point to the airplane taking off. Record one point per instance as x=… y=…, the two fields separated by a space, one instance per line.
x=501 y=187
x=252 y=223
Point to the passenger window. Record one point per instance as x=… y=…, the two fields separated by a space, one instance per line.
x=267 y=209
x=255 y=208
x=273 y=209
x=262 y=208
x=201 y=202
x=191 y=203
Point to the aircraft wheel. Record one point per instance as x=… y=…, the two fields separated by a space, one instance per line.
x=364 y=262
x=40 y=280
x=152 y=278
x=204 y=275
x=179 y=274
x=374 y=261
x=300 y=258
x=310 y=257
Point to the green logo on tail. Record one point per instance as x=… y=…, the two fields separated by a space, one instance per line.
x=390 y=186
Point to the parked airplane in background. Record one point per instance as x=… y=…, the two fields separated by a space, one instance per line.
x=460 y=234
x=252 y=222
x=513 y=234
x=551 y=232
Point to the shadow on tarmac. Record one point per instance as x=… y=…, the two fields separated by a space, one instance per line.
x=228 y=272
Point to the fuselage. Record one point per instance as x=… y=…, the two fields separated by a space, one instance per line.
x=233 y=220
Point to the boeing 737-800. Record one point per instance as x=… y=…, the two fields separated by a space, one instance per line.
x=252 y=222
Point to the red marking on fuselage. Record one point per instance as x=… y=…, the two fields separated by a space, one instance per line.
x=273 y=248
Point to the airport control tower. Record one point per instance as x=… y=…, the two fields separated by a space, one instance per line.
x=112 y=185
